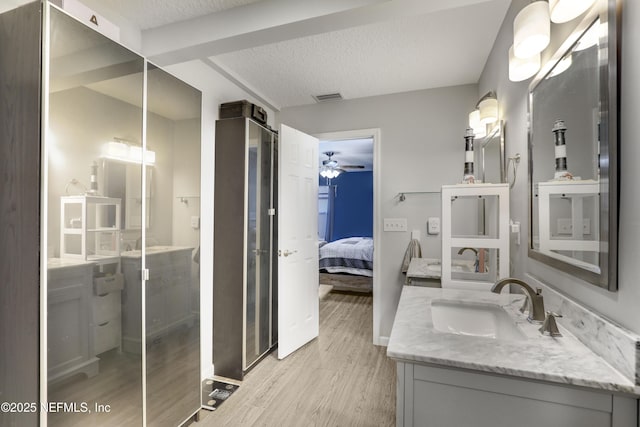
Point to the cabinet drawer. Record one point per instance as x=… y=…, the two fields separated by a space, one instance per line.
x=104 y=285
x=106 y=307
x=106 y=336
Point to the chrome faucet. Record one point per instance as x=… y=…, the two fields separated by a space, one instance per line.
x=536 y=303
x=476 y=264
x=461 y=251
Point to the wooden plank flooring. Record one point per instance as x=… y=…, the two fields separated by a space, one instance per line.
x=338 y=379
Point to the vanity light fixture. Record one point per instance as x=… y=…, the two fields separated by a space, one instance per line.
x=565 y=10
x=479 y=129
x=532 y=29
x=488 y=107
x=522 y=68
x=118 y=150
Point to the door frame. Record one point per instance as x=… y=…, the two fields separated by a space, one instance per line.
x=377 y=223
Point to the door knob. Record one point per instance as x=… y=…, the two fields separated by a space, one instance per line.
x=286 y=252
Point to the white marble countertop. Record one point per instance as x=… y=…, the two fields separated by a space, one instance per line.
x=562 y=360
x=56 y=263
x=419 y=267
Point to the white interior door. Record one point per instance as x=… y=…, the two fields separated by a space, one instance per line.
x=298 y=302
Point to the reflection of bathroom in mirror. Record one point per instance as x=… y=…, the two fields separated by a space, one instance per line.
x=572 y=152
x=491 y=168
x=122 y=180
x=98 y=207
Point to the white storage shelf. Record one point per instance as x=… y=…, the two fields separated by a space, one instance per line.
x=90 y=228
x=496 y=237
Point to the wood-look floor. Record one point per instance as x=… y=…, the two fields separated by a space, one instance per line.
x=338 y=379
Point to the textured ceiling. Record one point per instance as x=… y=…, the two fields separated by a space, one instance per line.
x=155 y=13
x=425 y=51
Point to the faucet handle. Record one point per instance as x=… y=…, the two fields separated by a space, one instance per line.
x=549 y=326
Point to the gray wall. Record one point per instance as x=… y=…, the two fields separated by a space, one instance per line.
x=622 y=305
x=422 y=148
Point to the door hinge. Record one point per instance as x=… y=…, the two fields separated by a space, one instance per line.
x=271 y=212
x=145 y=274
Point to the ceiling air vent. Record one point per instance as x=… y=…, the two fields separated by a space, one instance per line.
x=328 y=97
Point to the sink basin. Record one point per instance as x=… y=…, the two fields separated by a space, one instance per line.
x=475 y=319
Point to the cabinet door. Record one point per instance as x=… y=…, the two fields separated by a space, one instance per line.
x=259 y=226
x=68 y=327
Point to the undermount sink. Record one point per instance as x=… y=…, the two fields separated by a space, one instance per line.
x=474 y=319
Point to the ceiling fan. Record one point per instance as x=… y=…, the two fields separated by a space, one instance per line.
x=331 y=169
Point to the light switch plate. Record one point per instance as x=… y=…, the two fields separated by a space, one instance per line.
x=395 y=224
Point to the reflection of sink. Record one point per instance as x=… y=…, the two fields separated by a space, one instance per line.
x=476 y=319
x=456 y=267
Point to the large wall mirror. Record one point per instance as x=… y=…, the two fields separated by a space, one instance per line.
x=573 y=147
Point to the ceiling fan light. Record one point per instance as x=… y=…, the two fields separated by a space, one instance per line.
x=565 y=10
x=522 y=68
x=488 y=108
x=531 y=30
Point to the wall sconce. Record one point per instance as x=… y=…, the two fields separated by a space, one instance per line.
x=522 y=68
x=565 y=10
x=479 y=130
x=531 y=29
x=120 y=149
x=488 y=107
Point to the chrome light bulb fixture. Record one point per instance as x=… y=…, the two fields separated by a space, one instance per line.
x=488 y=108
x=531 y=29
x=479 y=129
x=565 y=10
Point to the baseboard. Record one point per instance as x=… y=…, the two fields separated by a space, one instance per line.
x=381 y=341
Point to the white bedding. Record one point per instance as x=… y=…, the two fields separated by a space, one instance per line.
x=353 y=255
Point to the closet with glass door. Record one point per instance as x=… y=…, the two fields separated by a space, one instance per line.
x=244 y=295
x=119 y=187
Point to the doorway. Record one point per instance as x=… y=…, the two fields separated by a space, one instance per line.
x=355 y=156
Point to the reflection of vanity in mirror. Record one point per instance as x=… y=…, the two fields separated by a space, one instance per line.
x=573 y=154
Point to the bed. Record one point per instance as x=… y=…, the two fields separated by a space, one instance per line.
x=347 y=264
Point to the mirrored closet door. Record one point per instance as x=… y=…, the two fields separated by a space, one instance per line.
x=121 y=145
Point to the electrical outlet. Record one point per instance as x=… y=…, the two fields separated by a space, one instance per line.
x=195 y=222
x=395 y=224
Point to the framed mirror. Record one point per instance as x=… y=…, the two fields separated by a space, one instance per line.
x=573 y=149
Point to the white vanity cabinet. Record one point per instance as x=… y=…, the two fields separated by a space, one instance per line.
x=69 y=344
x=106 y=312
x=429 y=395
x=168 y=294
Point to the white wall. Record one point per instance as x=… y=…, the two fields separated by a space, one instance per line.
x=621 y=306
x=422 y=148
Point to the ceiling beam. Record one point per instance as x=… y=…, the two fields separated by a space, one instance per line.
x=273 y=21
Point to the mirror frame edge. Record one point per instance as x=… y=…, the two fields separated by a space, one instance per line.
x=609 y=11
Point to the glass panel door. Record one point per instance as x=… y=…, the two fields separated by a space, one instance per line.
x=94 y=116
x=172 y=246
x=258 y=296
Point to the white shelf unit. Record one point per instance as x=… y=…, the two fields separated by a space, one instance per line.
x=500 y=242
x=90 y=228
x=578 y=192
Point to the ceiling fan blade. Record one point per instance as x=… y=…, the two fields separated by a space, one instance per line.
x=352 y=166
